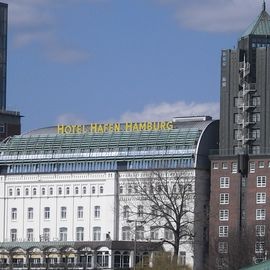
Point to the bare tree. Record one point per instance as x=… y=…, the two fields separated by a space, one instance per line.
x=165 y=200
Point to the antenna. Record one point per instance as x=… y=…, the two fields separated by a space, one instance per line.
x=264 y=5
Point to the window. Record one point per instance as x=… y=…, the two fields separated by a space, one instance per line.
x=18 y=192
x=96 y=233
x=154 y=233
x=79 y=233
x=30 y=213
x=260 y=197
x=103 y=259
x=93 y=190
x=51 y=191
x=223 y=247
x=126 y=211
x=252 y=167
x=223 y=231
x=84 y=190
x=168 y=234
x=63 y=212
x=255 y=117
x=129 y=189
x=255 y=134
x=224 y=182
x=260 y=230
x=13 y=235
x=121 y=189
x=224 y=215
x=261 y=181
x=256 y=101
x=46 y=234
x=182 y=258
x=10 y=192
x=215 y=166
x=43 y=191
x=224 y=198
x=140 y=232
x=60 y=191
x=255 y=149
x=80 y=212
x=259 y=247
x=67 y=190
x=34 y=191
x=126 y=233
x=260 y=214
x=13 y=213
x=234 y=167
x=140 y=211
x=224 y=165
x=76 y=190
x=97 y=212
x=261 y=164
x=63 y=234
x=47 y=213
x=30 y=235
x=237 y=134
x=101 y=189
x=27 y=192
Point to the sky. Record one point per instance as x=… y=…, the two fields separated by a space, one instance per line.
x=85 y=61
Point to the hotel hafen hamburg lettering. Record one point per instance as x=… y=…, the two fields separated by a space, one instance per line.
x=114 y=127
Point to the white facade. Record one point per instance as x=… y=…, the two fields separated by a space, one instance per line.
x=76 y=207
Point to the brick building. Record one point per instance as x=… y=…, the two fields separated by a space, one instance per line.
x=240 y=171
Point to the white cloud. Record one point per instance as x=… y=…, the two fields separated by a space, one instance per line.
x=70 y=119
x=165 y=111
x=215 y=15
x=33 y=23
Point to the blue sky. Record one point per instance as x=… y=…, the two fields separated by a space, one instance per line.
x=83 y=61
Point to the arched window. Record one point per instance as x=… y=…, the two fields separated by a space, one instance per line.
x=43 y=191
x=121 y=189
x=10 y=192
x=101 y=189
x=59 y=191
x=51 y=190
x=34 y=191
x=18 y=192
x=84 y=190
x=67 y=190
x=93 y=190
x=27 y=192
x=76 y=190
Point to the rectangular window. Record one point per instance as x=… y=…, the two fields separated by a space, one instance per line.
x=224 y=215
x=234 y=167
x=224 y=165
x=252 y=167
x=96 y=233
x=47 y=213
x=13 y=235
x=140 y=211
x=261 y=181
x=224 y=182
x=215 y=166
x=260 y=197
x=223 y=247
x=260 y=230
x=224 y=198
x=255 y=117
x=261 y=164
x=97 y=212
x=46 y=234
x=30 y=213
x=154 y=233
x=255 y=134
x=255 y=149
x=30 y=235
x=223 y=231
x=63 y=234
x=259 y=247
x=63 y=212
x=260 y=214
x=80 y=212
x=256 y=101
x=13 y=213
x=79 y=233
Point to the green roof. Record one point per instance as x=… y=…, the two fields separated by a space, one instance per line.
x=261 y=26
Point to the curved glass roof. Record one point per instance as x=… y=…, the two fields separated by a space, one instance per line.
x=183 y=138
